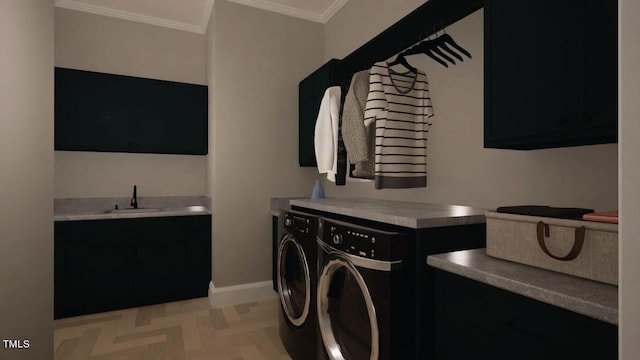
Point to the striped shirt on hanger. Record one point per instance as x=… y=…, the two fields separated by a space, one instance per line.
x=400 y=106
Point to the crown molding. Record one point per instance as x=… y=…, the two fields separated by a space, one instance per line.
x=126 y=15
x=208 y=9
x=332 y=10
x=295 y=12
x=281 y=9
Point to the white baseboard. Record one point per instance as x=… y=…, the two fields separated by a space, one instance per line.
x=240 y=294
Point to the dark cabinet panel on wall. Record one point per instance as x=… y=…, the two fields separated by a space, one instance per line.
x=310 y=92
x=550 y=73
x=115 y=113
x=479 y=321
x=102 y=265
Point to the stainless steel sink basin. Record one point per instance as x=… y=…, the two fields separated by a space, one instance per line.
x=197 y=208
x=132 y=211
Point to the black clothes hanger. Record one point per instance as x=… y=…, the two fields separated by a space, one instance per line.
x=431 y=48
x=400 y=60
x=446 y=48
x=427 y=47
x=429 y=53
x=432 y=45
x=447 y=39
x=436 y=50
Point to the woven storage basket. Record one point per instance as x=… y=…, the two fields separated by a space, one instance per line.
x=581 y=248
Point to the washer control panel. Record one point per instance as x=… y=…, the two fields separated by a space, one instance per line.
x=364 y=242
x=300 y=224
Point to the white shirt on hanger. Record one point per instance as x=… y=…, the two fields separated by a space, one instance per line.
x=326 y=133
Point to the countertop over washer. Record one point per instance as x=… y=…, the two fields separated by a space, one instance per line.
x=406 y=214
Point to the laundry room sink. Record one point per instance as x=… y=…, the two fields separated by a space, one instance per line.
x=195 y=208
x=132 y=210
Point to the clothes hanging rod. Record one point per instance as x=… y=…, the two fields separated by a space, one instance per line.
x=411 y=29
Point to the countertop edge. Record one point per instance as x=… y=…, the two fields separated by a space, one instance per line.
x=399 y=220
x=80 y=217
x=565 y=301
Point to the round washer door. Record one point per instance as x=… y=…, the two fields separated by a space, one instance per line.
x=294 y=282
x=344 y=305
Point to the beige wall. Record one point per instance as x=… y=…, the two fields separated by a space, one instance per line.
x=460 y=170
x=98 y=43
x=358 y=21
x=256 y=59
x=26 y=178
x=629 y=90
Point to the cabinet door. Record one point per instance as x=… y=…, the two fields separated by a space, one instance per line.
x=92 y=267
x=196 y=231
x=172 y=258
x=550 y=73
x=531 y=73
x=106 y=112
x=171 y=117
x=160 y=258
x=600 y=88
x=479 y=321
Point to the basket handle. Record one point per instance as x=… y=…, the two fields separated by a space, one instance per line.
x=543 y=231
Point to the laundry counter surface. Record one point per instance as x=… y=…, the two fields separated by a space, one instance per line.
x=586 y=297
x=282 y=203
x=405 y=214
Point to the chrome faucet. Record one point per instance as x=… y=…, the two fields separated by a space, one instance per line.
x=134 y=199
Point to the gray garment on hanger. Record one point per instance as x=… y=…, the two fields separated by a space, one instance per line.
x=359 y=139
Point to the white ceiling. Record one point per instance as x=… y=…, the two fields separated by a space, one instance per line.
x=193 y=15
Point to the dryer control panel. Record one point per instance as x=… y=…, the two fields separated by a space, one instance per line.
x=364 y=242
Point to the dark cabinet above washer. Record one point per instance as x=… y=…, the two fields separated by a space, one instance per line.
x=550 y=73
x=114 y=113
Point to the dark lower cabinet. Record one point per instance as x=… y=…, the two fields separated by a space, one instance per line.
x=479 y=321
x=102 y=265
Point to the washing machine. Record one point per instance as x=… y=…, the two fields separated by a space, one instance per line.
x=363 y=301
x=296 y=281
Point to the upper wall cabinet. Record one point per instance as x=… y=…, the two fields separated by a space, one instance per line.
x=550 y=73
x=114 y=113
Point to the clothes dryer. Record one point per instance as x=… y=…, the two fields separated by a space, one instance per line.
x=296 y=279
x=362 y=300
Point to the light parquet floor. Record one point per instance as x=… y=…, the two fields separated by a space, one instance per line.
x=182 y=330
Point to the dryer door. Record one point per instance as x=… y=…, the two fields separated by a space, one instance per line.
x=294 y=282
x=344 y=305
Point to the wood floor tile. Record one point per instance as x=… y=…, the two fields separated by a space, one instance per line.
x=81 y=320
x=183 y=330
x=143 y=317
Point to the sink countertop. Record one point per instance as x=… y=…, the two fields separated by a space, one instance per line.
x=400 y=213
x=75 y=209
x=583 y=296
